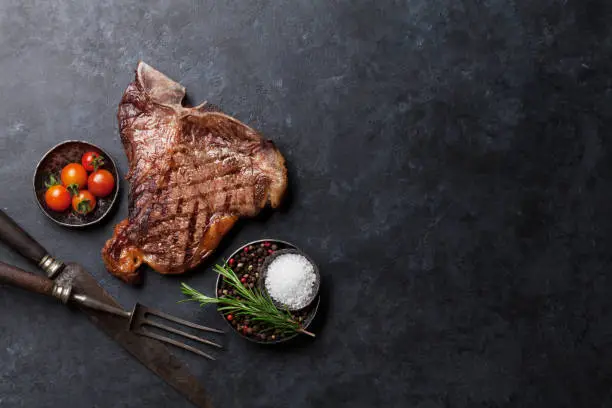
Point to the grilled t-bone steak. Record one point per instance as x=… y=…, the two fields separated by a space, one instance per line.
x=193 y=172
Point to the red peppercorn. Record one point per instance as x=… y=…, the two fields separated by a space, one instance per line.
x=245 y=329
x=242 y=280
x=232 y=262
x=270 y=251
x=246 y=249
x=230 y=317
x=267 y=244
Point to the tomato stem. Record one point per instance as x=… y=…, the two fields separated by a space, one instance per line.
x=53 y=180
x=73 y=188
x=97 y=162
x=84 y=207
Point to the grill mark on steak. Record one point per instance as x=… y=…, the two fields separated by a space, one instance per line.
x=200 y=197
x=225 y=187
x=193 y=172
x=188 y=249
x=196 y=183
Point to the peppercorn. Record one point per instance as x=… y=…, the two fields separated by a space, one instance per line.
x=230 y=317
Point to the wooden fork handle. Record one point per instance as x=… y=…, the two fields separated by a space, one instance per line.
x=15 y=237
x=14 y=276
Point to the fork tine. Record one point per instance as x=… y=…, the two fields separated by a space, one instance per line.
x=175 y=343
x=148 y=322
x=181 y=321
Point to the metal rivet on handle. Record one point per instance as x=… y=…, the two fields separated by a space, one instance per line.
x=62 y=292
x=51 y=266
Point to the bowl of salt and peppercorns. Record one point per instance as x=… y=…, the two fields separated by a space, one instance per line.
x=281 y=273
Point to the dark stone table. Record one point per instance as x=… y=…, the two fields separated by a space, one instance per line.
x=451 y=172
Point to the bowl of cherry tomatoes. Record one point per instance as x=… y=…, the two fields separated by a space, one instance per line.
x=76 y=183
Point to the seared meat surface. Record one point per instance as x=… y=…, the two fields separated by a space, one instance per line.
x=193 y=172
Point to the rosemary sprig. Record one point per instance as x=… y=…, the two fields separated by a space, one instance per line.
x=249 y=302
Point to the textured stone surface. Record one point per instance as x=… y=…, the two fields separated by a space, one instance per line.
x=450 y=172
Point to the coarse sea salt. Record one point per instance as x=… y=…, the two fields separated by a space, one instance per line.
x=290 y=280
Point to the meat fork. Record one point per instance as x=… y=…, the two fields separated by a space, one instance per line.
x=138 y=318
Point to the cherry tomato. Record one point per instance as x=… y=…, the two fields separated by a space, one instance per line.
x=100 y=183
x=75 y=174
x=84 y=202
x=57 y=198
x=91 y=161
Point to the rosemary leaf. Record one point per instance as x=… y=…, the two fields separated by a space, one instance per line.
x=256 y=305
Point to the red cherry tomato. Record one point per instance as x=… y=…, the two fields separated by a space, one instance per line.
x=84 y=202
x=57 y=198
x=74 y=174
x=100 y=183
x=91 y=161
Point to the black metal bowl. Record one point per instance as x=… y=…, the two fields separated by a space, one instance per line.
x=53 y=161
x=264 y=273
x=309 y=312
